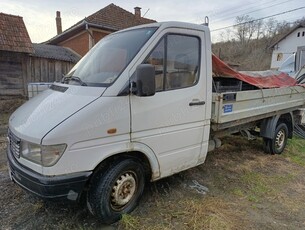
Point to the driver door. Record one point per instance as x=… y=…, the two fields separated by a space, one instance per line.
x=172 y=122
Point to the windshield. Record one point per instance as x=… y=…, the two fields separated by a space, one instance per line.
x=102 y=65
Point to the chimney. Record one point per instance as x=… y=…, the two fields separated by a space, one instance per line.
x=58 y=22
x=137 y=12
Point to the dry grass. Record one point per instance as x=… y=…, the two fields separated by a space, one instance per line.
x=252 y=56
x=211 y=213
x=242 y=180
x=191 y=213
x=129 y=222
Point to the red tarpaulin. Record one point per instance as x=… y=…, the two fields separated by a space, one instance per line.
x=272 y=80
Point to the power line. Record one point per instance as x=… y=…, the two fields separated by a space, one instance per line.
x=232 y=10
x=225 y=18
x=237 y=10
x=270 y=16
x=146 y=12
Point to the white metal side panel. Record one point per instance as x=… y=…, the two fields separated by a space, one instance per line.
x=256 y=102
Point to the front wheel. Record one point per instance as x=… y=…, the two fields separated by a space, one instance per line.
x=116 y=191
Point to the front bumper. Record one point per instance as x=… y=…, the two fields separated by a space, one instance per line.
x=69 y=186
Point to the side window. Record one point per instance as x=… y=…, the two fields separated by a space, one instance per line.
x=176 y=60
x=156 y=58
x=182 y=61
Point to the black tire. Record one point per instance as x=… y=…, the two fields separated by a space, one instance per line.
x=105 y=196
x=279 y=142
x=267 y=145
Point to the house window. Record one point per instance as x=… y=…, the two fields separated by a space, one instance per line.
x=298 y=34
x=279 y=57
x=303 y=33
x=176 y=60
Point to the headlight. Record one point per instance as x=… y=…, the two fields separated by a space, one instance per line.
x=45 y=155
x=31 y=151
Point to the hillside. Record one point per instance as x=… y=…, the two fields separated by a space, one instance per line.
x=248 y=43
x=253 y=56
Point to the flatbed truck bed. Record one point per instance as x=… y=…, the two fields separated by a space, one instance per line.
x=231 y=109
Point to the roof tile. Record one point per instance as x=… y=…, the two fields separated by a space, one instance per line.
x=110 y=17
x=117 y=18
x=13 y=34
x=55 y=52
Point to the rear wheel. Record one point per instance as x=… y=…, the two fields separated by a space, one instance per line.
x=116 y=191
x=279 y=141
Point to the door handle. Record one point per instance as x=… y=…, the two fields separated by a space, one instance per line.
x=196 y=103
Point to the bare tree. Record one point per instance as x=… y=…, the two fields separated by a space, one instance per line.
x=226 y=35
x=300 y=21
x=270 y=28
x=259 y=29
x=245 y=27
x=283 y=27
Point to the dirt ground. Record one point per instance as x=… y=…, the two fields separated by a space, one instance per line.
x=238 y=187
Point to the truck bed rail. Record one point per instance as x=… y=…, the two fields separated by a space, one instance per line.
x=235 y=108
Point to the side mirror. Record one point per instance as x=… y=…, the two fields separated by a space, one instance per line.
x=145 y=80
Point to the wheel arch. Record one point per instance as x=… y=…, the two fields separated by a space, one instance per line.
x=137 y=151
x=268 y=126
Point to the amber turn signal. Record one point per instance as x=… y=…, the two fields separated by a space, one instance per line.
x=111 y=131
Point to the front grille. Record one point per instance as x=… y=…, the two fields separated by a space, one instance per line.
x=14 y=144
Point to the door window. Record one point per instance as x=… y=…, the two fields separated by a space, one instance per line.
x=176 y=59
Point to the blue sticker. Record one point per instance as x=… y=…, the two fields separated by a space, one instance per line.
x=228 y=108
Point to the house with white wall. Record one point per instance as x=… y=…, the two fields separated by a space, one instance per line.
x=287 y=45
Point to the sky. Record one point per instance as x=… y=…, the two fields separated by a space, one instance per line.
x=39 y=15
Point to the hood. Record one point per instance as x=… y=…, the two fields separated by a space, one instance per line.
x=34 y=119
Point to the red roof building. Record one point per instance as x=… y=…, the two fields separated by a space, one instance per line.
x=83 y=35
x=13 y=34
x=22 y=62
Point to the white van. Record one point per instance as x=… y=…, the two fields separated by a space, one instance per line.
x=137 y=107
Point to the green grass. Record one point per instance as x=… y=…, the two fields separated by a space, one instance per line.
x=129 y=222
x=296 y=151
x=258 y=186
x=238 y=192
x=4 y=118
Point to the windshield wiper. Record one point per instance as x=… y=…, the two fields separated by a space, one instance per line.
x=78 y=80
x=73 y=78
